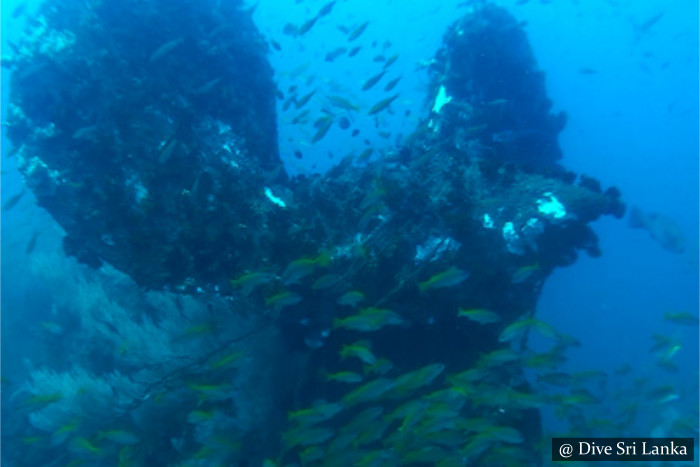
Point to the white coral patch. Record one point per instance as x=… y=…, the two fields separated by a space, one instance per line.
x=275 y=200
x=441 y=99
x=514 y=243
x=434 y=247
x=550 y=206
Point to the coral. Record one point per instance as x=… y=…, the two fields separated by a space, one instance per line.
x=147 y=357
x=78 y=397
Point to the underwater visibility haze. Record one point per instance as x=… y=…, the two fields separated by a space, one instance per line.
x=346 y=232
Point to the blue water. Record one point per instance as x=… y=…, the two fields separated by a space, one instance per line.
x=633 y=123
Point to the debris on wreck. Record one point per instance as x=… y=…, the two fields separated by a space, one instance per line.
x=146 y=152
x=488 y=97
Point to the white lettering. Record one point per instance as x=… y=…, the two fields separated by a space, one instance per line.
x=624 y=450
x=591 y=448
